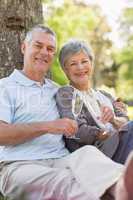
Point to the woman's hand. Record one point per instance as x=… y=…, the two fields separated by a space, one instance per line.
x=103 y=135
x=107 y=115
x=120 y=105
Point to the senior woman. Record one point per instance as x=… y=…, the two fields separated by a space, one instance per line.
x=101 y=122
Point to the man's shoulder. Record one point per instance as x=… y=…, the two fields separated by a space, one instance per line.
x=52 y=83
x=5 y=81
x=8 y=85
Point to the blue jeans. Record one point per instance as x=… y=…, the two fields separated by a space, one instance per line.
x=125 y=144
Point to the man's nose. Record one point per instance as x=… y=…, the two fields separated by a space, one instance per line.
x=44 y=51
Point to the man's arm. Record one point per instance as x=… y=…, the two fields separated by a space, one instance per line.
x=13 y=134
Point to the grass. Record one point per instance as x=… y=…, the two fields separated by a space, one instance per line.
x=130 y=112
x=3 y=198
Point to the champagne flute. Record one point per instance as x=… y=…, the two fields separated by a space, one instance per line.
x=77 y=104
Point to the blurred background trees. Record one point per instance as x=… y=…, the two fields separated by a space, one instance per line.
x=124 y=57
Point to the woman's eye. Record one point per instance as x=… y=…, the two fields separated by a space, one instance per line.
x=85 y=61
x=73 y=64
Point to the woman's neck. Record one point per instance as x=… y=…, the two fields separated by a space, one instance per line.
x=83 y=87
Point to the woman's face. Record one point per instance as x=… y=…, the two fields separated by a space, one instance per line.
x=79 y=69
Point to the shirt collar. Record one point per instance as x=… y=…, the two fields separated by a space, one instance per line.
x=20 y=78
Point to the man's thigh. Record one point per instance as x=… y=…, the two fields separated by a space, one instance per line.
x=52 y=183
x=24 y=173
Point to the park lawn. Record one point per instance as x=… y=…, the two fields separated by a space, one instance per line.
x=130 y=112
x=3 y=198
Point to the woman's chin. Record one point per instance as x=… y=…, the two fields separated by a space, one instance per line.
x=83 y=80
x=81 y=85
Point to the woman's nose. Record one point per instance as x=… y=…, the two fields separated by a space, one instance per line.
x=80 y=66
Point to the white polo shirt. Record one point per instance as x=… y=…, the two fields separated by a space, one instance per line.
x=23 y=101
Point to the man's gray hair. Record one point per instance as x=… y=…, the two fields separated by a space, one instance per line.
x=41 y=28
x=72 y=47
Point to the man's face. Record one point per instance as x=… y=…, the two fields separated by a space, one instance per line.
x=39 y=52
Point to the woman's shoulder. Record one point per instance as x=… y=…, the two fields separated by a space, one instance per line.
x=65 y=90
x=63 y=99
x=105 y=93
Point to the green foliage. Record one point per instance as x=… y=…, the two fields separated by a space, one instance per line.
x=124 y=83
x=127 y=18
x=57 y=74
x=125 y=71
x=130 y=112
x=3 y=198
x=124 y=89
x=124 y=58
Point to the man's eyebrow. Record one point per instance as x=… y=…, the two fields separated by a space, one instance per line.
x=41 y=43
x=38 y=42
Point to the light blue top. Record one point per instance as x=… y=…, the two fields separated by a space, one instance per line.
x=23 y=100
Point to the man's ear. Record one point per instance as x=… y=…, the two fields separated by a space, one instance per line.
x=23 y=48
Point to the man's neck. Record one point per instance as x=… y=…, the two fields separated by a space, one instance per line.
x=34 y=76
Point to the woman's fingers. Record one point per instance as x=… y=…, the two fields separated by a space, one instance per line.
x=107 y=114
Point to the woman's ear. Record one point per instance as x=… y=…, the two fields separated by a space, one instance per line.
x=64 y=69
x=66 y=72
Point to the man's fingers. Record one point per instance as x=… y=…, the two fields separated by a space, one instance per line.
x=71 y=127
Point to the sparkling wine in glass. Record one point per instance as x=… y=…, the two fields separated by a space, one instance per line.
x=77 y=104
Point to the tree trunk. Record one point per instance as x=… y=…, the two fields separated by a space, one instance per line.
x=16 y=17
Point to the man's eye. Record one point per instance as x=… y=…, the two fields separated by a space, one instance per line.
x=51 y=50
x=37 y=46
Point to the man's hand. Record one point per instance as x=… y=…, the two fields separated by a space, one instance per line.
x=107 y=114
x=19 y=133
x=65 y=126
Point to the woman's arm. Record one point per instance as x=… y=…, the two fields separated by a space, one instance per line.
x=87 y=132
x=120 y=117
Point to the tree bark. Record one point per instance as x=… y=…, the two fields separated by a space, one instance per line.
x=16 y=17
